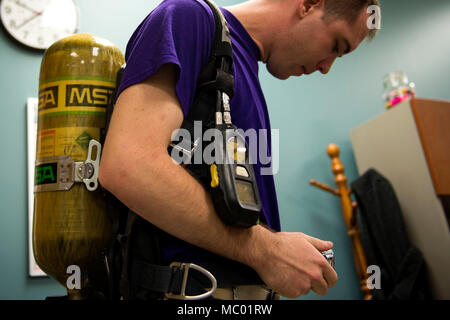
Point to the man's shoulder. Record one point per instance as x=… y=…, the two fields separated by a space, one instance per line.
x=187 y=8
x=182 y=18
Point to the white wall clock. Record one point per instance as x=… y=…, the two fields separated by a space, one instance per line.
x=39 y=23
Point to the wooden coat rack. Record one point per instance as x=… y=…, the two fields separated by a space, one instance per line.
x=349 y=208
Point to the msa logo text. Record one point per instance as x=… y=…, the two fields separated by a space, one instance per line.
x=78 y=95
x=48 y=98
x=46 y=173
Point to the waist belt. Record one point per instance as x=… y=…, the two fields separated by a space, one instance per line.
x=249 y=292
x=177 y=282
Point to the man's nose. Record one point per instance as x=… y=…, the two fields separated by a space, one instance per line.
x=325 y=65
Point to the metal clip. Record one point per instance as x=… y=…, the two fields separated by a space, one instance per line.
x=60 y=173
x=219 y=118
x=185 y=267
x=226 y=102
x=227 y=117
x=87 y=171
x=226 y=108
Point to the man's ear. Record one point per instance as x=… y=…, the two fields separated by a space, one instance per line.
x=306 y=6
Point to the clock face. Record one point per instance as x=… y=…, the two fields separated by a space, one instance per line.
x=39 y=23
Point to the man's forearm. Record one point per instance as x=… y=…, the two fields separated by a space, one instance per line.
x=165 y=194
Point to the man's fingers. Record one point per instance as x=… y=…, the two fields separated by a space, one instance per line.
x=330 y=276
x=320 y=287
x=320 y=245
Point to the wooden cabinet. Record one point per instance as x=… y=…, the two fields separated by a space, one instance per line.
x=433 y=123
x=410 y=145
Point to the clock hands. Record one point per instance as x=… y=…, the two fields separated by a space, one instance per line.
x=36 y=14
x=20 y=4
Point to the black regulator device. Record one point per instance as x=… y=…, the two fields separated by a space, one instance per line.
x=233 y=182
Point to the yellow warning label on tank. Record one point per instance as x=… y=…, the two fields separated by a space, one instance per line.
x=70 y=141
x=75 y=95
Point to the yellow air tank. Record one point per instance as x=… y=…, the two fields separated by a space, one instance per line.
x=71 y=227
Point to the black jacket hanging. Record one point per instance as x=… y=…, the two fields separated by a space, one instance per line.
x=385 y=240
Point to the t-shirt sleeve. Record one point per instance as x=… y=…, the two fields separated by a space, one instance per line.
x=178 y=32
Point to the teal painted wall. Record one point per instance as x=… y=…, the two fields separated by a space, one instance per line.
x=310 y=112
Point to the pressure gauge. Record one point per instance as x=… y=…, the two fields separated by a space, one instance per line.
x=39 y=23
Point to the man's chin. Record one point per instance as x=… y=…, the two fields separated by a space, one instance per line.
x=277 y=74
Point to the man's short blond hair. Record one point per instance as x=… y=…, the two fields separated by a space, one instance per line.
x=348 y=10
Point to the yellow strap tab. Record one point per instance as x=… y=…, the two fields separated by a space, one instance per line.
x=214 y=176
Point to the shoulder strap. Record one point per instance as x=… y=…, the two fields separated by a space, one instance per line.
x=217 y=74
x=222 y=42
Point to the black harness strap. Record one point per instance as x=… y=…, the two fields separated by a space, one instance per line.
x=215 y=74
x=158 y=278
x=124 y=240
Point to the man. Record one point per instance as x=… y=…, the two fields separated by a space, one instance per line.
x=164 y=58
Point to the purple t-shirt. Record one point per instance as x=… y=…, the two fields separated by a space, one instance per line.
x=181 y=32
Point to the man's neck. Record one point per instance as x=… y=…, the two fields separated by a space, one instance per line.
x=263 y=20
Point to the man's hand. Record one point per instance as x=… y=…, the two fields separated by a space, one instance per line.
x=292 y=264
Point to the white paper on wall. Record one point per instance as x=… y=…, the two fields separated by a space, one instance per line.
x=32 y=111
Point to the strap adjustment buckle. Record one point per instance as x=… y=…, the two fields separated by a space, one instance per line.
x=185 y=267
